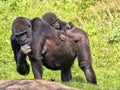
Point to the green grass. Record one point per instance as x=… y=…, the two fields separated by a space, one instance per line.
x=99 y=18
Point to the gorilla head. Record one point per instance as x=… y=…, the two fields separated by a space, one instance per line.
x=50 y=17
x=22 y=30
x=55 y=22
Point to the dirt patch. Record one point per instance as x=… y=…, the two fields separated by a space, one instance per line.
x=32 y=85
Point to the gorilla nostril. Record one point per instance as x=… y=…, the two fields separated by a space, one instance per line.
x=23 y=40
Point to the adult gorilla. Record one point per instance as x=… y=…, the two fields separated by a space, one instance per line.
x=23 y=39
x=46 y=49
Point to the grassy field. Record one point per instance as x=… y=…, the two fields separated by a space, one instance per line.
x=99 y=18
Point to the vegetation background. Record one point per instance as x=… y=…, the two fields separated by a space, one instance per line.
x=99 y=18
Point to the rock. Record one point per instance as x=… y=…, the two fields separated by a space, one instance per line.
x=32 y=85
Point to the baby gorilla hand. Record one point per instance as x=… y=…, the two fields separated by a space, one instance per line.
x=63 y=37
x=26 y=49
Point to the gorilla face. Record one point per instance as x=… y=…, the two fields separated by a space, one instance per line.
x=56 y=25
x=22 y=30
x=22 y=38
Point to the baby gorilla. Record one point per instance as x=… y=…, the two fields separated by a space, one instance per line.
x=58 y=24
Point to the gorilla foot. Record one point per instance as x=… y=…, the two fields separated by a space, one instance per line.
x=90 y=75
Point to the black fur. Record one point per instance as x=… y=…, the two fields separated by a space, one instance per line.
x=46 y=51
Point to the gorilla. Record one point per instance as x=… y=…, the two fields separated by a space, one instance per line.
x=54 y=21
x=58 y=24
x=37 y=39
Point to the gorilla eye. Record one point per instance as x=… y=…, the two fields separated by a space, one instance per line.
x=17 y=36
x=21 y=33
x=24 y=33
x=29 y=26
x=54 y=20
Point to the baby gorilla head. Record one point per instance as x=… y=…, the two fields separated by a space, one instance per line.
x=55 y=22
x=50 y=17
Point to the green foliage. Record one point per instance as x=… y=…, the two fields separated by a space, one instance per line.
x=99 y=18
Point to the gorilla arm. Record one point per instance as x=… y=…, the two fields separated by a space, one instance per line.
x=19 y=56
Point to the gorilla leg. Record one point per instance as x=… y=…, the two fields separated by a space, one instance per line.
x=84 y=59
x=89 y=73
x=36 y=67
x=35 y=58
x=66 y=75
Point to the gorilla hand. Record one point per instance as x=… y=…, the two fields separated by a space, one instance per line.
x=26 y=49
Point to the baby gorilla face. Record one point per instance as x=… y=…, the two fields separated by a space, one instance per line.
x=56 y=25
